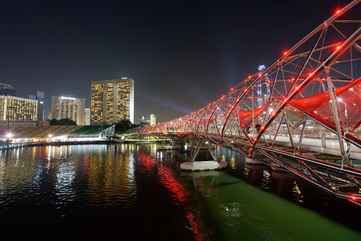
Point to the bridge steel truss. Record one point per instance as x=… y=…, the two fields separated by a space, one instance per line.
x=312 y=89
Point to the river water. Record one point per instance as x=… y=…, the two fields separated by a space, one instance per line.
x=138 y=191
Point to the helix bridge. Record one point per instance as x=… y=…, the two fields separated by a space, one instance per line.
x=302 y=113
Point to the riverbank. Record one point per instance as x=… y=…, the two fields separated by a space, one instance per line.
x=58 y=143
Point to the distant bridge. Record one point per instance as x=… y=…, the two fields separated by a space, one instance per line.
x=306 y=102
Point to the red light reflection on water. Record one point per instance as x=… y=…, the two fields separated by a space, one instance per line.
x=168 y=180
x=195 y=225
x=176 y=189
x=354 y=198
x=146 y=161
x=172 y=185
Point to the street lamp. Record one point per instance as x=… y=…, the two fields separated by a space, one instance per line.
x=8 y=136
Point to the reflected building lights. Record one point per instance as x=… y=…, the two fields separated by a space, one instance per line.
x=153 y=149
x=245 y=171
x=266 y=180
x=131 y=167
x=17 y=156
x=297 y=193
x=232 y=163
x=2 y=175
x=65 y=176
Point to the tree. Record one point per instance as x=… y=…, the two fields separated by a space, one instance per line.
x=123 y=126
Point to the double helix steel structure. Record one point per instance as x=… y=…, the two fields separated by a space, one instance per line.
x=305 y=103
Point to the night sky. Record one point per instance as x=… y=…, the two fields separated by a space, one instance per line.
x=181 y=54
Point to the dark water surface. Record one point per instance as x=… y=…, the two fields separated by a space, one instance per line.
x=140 y=193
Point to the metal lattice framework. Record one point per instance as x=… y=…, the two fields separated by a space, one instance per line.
x=315 y=83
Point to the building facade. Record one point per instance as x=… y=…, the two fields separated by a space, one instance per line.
x=152 y=120
x=6 y=89
x=112 y=101
x=87 y=116
x=16 y=109
x=63 y=107
x=40 y=97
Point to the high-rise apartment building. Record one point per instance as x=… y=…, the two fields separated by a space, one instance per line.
x=63 y=107
x=112 y=101
x=18 y=109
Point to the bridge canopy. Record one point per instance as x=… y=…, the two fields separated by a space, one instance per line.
x=348 y=105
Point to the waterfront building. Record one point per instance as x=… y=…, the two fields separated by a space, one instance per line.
x=87 y=116
x=143 y=121
x=63 y=107
x=16 y=109
x=40 y=98
x=112 y=101
x=153 y=120
x=6 y=89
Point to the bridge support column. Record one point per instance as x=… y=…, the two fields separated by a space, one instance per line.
x=333 y=98
x=249 y=160
x=301 y=135
x=197 y=146
x=323 y=140
x=202 y=165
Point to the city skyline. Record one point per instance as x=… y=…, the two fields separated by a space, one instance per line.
x=182 y=120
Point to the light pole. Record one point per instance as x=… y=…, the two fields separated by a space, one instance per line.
x=49 y=137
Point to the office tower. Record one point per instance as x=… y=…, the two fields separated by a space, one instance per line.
x=63 y=107
x=263 y=89
x=18 y=109
x=112 y=101
x=6 y=89
x=152 y=120
x=87 y=116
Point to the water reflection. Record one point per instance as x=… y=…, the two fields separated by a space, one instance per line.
x=2 y=176
x=239 y=204
x=64 y=183
x=66 y=176
x=141 y=189
x=130 y=186
x=177 y=192
x=110 y=176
